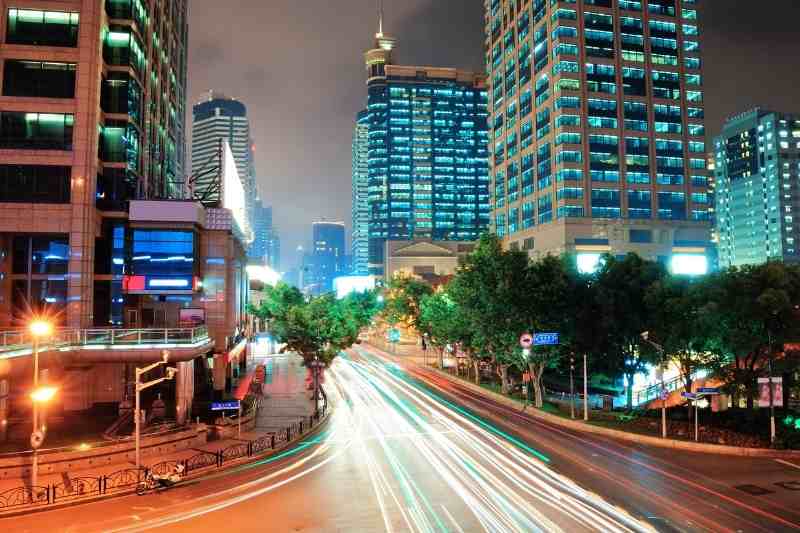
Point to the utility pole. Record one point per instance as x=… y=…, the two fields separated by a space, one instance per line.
x=571 y=386
x=660 y=349
x=585 y=389
x=137 y=414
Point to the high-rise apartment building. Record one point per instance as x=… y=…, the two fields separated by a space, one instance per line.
x=360 y=212
x=756 y=172
x=217 y=119
x=91 y=117
x=596 y=127
x=261 y=226
x=427 y=150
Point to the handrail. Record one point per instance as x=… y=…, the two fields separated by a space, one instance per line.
x=652 y=392
x=21 y=339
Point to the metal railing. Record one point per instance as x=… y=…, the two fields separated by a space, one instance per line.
x=11 y=340
x=126 y=480
x=653 y=391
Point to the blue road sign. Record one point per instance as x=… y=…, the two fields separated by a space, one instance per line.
x=545 y=339
x=394 y=335
x=689 y=395
x=225 y=406
x=708 y=390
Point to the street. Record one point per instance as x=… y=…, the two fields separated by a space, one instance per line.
x=399 y=455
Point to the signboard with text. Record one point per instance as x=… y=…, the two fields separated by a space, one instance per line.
x=225 y=406
x=545 y=339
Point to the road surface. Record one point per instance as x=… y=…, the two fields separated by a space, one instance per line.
x=402 y=455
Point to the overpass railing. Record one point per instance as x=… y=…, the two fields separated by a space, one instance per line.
x=20 y=339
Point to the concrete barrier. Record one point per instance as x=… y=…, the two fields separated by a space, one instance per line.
x=65 y=460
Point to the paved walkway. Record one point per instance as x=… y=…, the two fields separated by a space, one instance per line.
x=285 y=402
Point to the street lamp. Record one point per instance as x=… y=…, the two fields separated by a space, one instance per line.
x=39 y=329
x=660 y=349
x=142 y=386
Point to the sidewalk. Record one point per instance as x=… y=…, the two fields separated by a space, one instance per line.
x=284 y=404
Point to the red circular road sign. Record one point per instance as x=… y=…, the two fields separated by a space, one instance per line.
x=526 y=340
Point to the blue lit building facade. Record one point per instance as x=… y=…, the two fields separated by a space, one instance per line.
x=597 y=128
x=360 y=213
x=757 y=165
x=427 y=149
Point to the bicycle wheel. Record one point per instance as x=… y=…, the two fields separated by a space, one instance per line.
x=142 y=488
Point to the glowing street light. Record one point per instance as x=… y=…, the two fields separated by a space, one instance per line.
x=39 y=329
x=43 y=394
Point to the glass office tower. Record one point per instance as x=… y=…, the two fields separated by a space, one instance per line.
x=596 y=128
x=360 y=213
x=428 y=174
x=94 y=95
x=757 y=165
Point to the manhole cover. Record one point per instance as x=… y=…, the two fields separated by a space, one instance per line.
x=755 y=490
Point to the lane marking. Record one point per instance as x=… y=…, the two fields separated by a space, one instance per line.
x=453 y=520
x=787 y=463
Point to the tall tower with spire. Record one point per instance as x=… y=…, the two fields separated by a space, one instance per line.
x=380 y=55
x=426 y=136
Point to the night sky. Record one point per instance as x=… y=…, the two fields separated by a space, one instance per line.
x=298 y=67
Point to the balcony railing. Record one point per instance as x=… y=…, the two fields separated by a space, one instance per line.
x=19 y=339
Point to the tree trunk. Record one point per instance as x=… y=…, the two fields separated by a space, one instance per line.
x=504 y=379
x=477 y=366
x=688 y=387
x=441 y=358
x=536 y=371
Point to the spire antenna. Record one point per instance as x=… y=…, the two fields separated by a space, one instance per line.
x=380 y=17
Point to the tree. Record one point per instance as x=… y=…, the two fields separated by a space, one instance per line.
x=620 y=291
x=754 y=308
x=403 y=298
x=683 y=323
x=549 y=308
x=318 y=327
x=489 y=290
x=445 y=324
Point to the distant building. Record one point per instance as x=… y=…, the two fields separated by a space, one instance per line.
x=216 y=119
x=427 y=152
x=361 y=210
x=757 y=197
x=433 y=262
x=274 y=250
x=261 y=225
x=327 y=257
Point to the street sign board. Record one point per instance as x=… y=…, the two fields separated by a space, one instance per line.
x=708 y=390
x=394 y=335
x=526 y=340
x=689 y=395
x=545 y=339
x=663 y=395
x=225 y=406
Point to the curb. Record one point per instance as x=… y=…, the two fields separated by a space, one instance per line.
x=191 y=477
x=718 y=449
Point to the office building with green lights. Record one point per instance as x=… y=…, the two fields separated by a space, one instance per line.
x=756 y=174
x=596 y=127
x=427 y=153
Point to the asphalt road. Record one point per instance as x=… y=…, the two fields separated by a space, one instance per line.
x=399 y=455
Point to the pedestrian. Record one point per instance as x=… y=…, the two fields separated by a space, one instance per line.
x=424 y=345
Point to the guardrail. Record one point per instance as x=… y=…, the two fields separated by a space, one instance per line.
x=653 y=391
x=11 y=340
x=126 y=480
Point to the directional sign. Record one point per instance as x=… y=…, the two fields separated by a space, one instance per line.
x=708 y=390
x=664 y=394
x=545 y=339
x=689 y=395
x=225 y=406
x=526 y=340
x=394 y=335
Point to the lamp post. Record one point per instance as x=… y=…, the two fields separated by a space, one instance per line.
x=137 y=415
x=660 y=349
x=571 y=386
x=39 y=329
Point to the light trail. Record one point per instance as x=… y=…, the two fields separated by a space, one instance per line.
x=503 y=483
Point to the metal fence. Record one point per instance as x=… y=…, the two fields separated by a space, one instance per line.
x=126 y=480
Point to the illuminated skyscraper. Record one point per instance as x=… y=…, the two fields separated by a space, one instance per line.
x=94 y=96
x=757 y=165
x=360 y=239
x=428 y=176
x=597 y=128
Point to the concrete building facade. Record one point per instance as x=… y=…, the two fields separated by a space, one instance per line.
x=756 y=170
x=597 y=129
